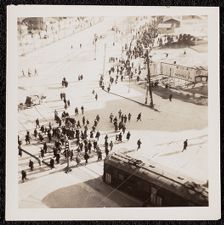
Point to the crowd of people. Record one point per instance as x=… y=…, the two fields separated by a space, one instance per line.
x=76 y=138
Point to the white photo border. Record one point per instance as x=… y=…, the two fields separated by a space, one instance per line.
x=13 y=212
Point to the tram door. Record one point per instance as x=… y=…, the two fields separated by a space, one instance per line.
x=155 y=199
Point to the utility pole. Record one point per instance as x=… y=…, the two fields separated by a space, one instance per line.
x=149 y=87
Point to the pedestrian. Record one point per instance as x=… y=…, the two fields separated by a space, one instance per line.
x=76 y=111
x=120 y=137
x=68 y=103
x=82 y=109
x=106 y=151
x=45 y=147
x=96 y=97
x=111 y=145
x=41 y=137
x=91 y=134
x=20 y=151
x=139 y=144
x=23 y=172
x=31 y=165
x=86 y=157
x=65 y=106
x=37 y=123
x=97 y=135
x=35 y=133
x=71 y=155
x=139 y=117
x=106 y=137
x=99 y=154
x=42 y=153
x=119 y=113
x=27 y=138
x=111 y=117
x=170 y=97
x=128 y=135
x=93 y=91
x=83 y=120
x=123 y=129
x=185 y=145
x=52 y=163
x=57 y=156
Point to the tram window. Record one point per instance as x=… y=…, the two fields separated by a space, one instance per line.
x=108 y=178
x=120 y=176
x=153 y=195
x=159 y=201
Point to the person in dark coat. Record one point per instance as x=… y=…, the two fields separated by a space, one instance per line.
x=120 y=137
x=170 y=97
x=45 y=147
x=23 y=172
x=111 y=145
x=111 y=117
x=42 y=153
x=57 y=158
x=82 y=109
x=37 y=123
x=20 y=151
x=99 y=154
x=128 y=135
x=97 y=135
x=86 y=157
x=139 y=117
x=27 y=139
x=71 y=155
x=35 y=133
x=185 y=145
x=31 y=165
x=139 y=144
x=106 y=151
x=96 y=97
x=52 y=163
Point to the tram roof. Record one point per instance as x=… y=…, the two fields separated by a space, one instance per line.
x=177 y=184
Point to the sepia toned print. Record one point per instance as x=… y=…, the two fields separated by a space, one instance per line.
x=113 y=111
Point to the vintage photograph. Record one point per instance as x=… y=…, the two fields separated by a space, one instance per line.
x=112 y=111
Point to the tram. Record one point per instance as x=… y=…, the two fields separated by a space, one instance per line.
x=150 y=184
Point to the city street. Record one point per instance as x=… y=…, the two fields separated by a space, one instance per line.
x=162 y=130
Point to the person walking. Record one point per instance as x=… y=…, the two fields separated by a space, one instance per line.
x=111 y=117
x=128 y=135
x=57 y=158
x=52 y=163
x=170 y=97
x=37 y=123
x=23 y=172
x=99 y=154
x=86 y=157
x=111 y=145
x=139 y=144
x=96 y=97
x=31 y=165
x=139 y=117
x=185 y=145
x=82 y=109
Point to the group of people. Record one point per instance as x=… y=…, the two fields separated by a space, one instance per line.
x=29 y=73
